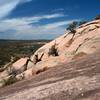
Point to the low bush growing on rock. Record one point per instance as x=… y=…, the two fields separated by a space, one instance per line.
x=53 y=51
x=9 y=80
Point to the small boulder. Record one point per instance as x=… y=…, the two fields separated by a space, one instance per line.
x=19 y=66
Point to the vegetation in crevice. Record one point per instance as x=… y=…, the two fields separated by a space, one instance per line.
x=12 y=79
x=53 y=50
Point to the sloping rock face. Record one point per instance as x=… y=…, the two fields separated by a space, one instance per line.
x=19 y=65
x=77 y=80
x=85 y=41
x=66 y=48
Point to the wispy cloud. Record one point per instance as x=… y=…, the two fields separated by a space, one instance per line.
x=7 y=6
x=45 y=16
x=58 y=24
x=28 y=20
x=21 y=28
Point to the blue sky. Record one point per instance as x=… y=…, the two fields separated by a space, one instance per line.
x=42 y=19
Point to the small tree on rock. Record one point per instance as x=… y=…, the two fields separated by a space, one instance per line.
x=72 y=27
x=82 y=22
x=53 y=51
x=97 y=17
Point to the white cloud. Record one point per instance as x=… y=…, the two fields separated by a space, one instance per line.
x=21 y=28
x=46 y=16
x=54 y=15
x=7 y=6
x=25 y=21
x=59 y=24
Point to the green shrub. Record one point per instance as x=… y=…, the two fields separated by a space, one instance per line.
x=53 y=51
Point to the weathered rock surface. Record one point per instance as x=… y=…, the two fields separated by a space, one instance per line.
x=77 y=80
x=19 y=66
